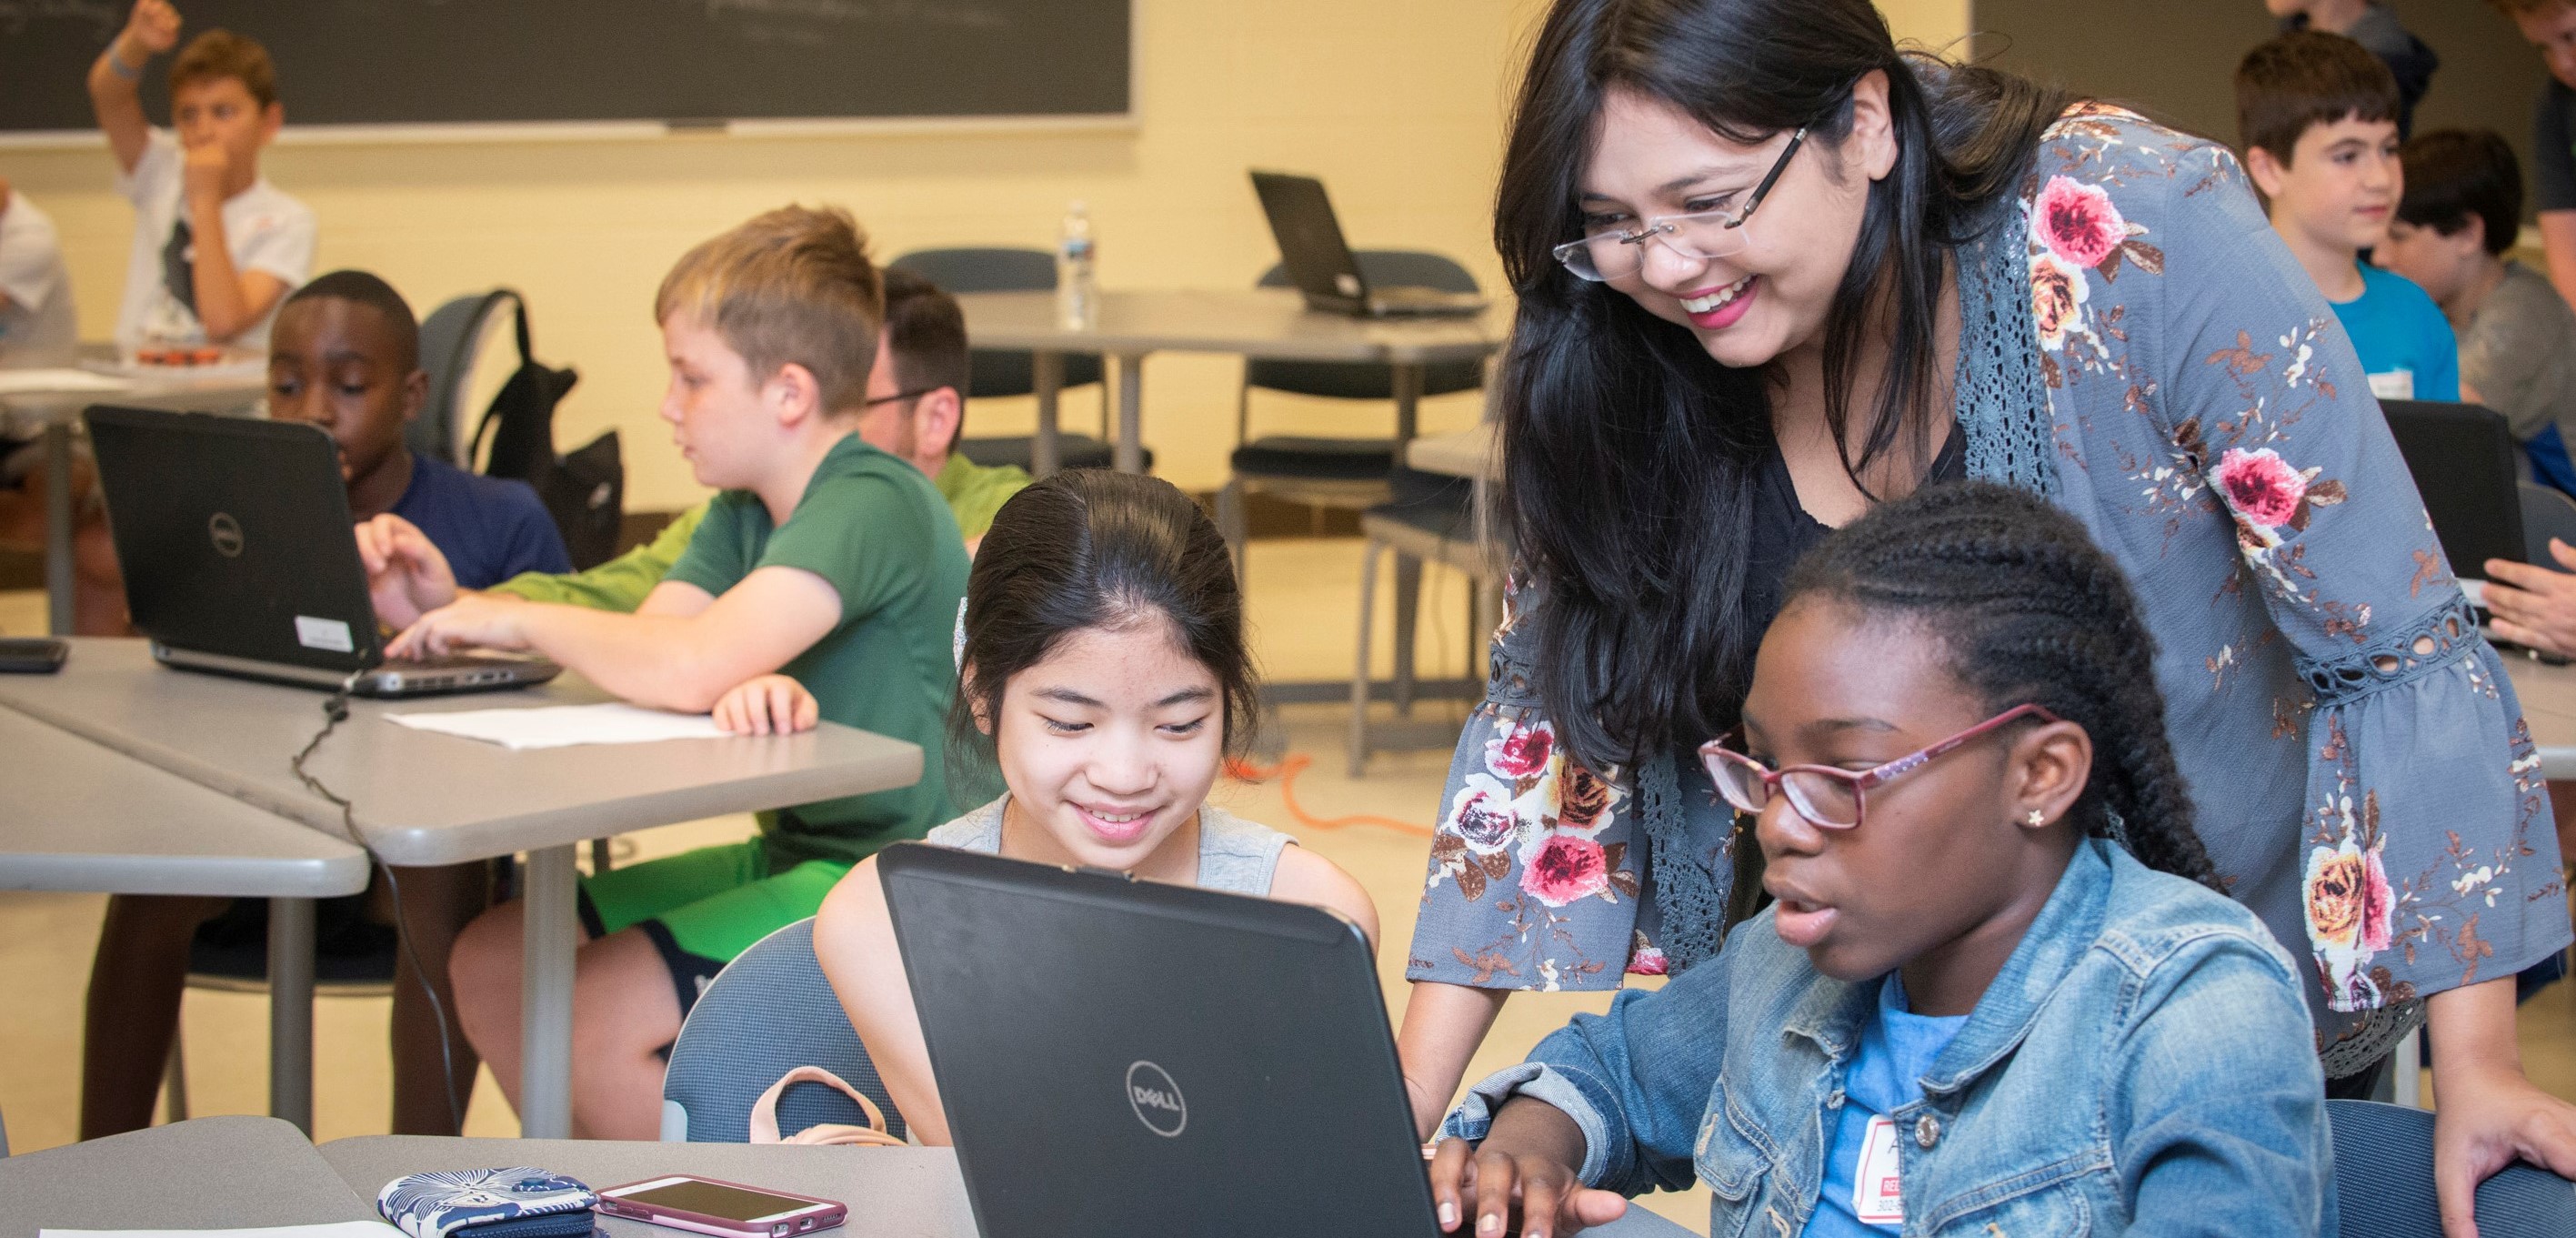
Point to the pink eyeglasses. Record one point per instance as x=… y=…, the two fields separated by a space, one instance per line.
x=1827 y=797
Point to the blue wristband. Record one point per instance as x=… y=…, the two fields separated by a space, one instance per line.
x=116 y=65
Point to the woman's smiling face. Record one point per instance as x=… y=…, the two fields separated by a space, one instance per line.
x=1649 y=158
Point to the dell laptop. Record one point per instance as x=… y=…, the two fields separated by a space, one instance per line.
x=235 y=538
x=2462 y=456
x=1320 y=262
x=1147 y=1060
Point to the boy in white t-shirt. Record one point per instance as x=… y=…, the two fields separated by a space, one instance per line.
x=37 y=323
x=216 y=248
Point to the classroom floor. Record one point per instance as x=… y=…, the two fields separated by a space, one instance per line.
x=1303 y=603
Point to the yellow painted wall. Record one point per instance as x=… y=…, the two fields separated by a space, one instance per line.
x=1398 y=104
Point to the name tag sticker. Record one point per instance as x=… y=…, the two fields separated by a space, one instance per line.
x=2393 y=385
x=1875 y=1199
x=330 y=634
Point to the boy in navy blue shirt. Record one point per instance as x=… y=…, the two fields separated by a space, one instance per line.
x=344 y=354
x=2318 y=118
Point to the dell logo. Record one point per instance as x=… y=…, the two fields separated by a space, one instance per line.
x=1156 y=1100
x=226 y=534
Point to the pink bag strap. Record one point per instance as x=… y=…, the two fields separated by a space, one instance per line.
x=764 y=1114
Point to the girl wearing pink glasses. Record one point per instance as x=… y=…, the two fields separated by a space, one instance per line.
x=1998 y=989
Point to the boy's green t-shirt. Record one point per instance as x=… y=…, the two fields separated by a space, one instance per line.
x=873 y=528
x=622 y=583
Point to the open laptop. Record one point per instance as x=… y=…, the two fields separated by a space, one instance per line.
x=1133 y=1058
x=234 y=536
x=2462 y=456
x=1320 y=262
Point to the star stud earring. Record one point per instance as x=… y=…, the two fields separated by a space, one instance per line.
x=2037 y=818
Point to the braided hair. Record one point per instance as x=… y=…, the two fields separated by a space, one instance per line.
x=2030 y=610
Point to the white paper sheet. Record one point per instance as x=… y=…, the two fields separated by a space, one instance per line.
x=561 y=726
x=337 y=1229
x=23 y=382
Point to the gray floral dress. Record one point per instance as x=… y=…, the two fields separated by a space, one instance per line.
x=2140 y=347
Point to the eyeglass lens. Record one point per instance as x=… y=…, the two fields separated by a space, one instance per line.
x=1822 y=800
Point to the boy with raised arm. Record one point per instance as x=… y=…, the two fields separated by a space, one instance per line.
x=216 y=247
x=826 y=567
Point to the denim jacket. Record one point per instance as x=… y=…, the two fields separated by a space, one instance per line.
x=2144 y=1064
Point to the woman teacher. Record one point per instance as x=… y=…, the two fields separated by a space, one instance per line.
x=1770 y=272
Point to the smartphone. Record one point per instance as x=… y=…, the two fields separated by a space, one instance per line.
x=707 y=1206
x=33 y=655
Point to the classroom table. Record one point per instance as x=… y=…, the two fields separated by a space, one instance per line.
x=1254 y=323
x=54 y=414
x=97 y=821
x=2548 y=695
x=204 y=1174
x=914 y=1192
x=426 y=799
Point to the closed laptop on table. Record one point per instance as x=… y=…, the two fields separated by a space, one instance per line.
x=234 y=535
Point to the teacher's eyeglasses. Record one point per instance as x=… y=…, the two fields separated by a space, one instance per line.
x=1827 y=797
x=1615 y=254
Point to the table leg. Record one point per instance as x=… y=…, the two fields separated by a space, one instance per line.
x=1130 y=457
x=1407 y=376
x=58 y=527
x=290 y=1011
x=551 y=934
x=1045 y=451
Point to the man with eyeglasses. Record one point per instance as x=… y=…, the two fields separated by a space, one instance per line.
x=916 y=411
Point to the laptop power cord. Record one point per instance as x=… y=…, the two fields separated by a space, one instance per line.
x=335 y=710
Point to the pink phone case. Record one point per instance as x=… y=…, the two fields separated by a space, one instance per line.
x=818 y=1215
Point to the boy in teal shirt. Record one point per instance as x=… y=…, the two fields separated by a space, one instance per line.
x=824 y=581
x=2317 y=115
x=916 y=409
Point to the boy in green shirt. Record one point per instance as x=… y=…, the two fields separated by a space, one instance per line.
x=916 y=410
x=824 y=580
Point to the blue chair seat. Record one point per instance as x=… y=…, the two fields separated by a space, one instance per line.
x=768 y=1012
x=1316 y=459
x=1073 y=451
x=2383 y=1169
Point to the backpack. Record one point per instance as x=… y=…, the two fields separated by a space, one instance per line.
x=585 y=490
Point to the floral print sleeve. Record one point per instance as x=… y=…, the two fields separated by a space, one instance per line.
x=1535 y=874
x=2359 y=765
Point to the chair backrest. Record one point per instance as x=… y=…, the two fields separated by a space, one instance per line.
x=2547 y=512
x=452 y=343
x=998 y=372
x=2383 y=1169
x=1359 y=380
x=768 y=1012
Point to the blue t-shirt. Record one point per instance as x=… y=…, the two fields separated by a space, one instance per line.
x=2398 y=330
x=1897 y=1048
x=489 y=528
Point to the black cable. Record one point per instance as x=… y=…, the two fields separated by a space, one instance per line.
x=335 y=711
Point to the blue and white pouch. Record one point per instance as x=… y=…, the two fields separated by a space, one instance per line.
x=518 y=1202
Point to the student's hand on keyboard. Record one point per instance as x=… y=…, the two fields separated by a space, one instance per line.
x=474 y=621
x=1529 y=1154
x=2533 y=606
x=767 y=705
x=407 y=577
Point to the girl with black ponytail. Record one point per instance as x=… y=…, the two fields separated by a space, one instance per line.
x=1995 y=937
x=1772 y=272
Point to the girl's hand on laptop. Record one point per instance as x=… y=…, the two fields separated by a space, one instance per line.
x=407 y=577
x=1531 y=1152
x=474 y=621
x=2531 y=605
x=767 y=705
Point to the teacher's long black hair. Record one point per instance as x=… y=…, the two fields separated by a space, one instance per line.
x=1629 y=452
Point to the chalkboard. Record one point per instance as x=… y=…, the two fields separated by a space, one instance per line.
x=409 y=62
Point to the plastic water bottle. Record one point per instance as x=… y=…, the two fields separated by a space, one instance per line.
x=1077 y=290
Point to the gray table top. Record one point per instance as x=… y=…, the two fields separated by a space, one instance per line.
x=2548 y=695
x=1269 y=323
x=891 y=1192
x=86 y=818
x=180 y=390
x=206 y=1174
x=425 y=798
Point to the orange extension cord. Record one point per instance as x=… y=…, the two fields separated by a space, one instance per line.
x=1286 y=772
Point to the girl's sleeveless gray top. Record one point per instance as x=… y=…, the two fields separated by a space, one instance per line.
x=1235 y=856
